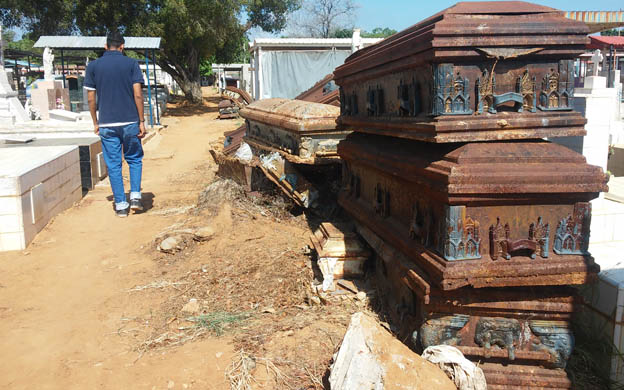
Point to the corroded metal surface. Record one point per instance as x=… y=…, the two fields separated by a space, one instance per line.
x=341 y=252
x=294 y=115
x=238 y=96
x=324 y=91
x=477 y=242
x=521 y=334
x=287 y=178
x=302 y=132
x=227 y=109
x=476 y=214
x=475 y=71
x=233 y=140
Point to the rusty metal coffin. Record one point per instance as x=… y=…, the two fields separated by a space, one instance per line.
x=302 y=132
x=238 y=96
x=478 y=214
x=324 y=91
x=520 y=336
x=340 y=251
x=227 y=109
x=475 y=71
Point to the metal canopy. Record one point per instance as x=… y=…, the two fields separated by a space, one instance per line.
x=93 y=43
x=72 y=42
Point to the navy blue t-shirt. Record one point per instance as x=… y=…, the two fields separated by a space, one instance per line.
x=112 y=76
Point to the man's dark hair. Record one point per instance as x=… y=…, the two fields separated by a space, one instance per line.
x=114 y=40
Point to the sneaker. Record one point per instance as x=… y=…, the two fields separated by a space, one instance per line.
x=136 y=204
x=123 y=212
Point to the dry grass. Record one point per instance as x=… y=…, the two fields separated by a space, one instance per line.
x=252 y=283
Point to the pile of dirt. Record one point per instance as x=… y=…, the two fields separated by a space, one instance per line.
x=251 y=281
x=266 y=203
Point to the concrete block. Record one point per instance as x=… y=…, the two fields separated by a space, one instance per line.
x=595 y=82
x=12 y=241
x=88 y=149
x=37 y=202
x=101 y=166
x=616 y=160
x=36 y=183
x=64 y=115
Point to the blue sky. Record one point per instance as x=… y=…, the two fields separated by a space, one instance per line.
x=400 y=14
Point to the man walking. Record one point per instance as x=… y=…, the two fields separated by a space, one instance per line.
x=117 y=81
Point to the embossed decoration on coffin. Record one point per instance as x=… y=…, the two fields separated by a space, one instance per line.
x=513 y=69
x=572 y=236
x=482 y=323
x=523 y=98
x=502 y=246
x=302 y=132
x=558 y=88
x=457 y=210
x=451 y=92
x=521 y=326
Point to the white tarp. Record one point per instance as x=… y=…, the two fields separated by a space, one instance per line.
x=286 y=74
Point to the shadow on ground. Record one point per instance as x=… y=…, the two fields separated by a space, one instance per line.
x=179 y=107
x=147 y=199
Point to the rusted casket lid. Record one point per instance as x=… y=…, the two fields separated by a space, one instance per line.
x=322 y=92
x=481 y=170
x=294 y=115
x=472 y=29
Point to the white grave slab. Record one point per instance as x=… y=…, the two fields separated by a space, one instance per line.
x=36 y=183
x=605 y=297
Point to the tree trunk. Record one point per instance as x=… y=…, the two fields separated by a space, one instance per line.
x=185 y=73
x=192 y=90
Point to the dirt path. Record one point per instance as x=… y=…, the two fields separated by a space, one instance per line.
x=64 y=301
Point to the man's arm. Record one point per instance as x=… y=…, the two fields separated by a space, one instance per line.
x=93 y=110
x=138 y=100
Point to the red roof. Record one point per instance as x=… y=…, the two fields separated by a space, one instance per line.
x=604 y=41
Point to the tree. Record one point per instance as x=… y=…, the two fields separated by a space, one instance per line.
x=191 y=30
x=324 y=18
x=612 y=32
x=377 y=32
x=41 y=17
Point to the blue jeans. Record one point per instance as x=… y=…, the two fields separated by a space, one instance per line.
x=116 y=140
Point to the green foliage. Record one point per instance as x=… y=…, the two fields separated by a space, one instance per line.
x=342 y=33
x=377 y=32
x=41 y=17
x=612 y=32
x=191 y=30
x=8 y=35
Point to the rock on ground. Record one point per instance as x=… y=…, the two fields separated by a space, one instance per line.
x=171 y=244
x=204 y=233
x=191 y=307
x=371 y=358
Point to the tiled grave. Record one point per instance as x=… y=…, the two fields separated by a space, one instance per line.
x=35 y=185
x=92 y=165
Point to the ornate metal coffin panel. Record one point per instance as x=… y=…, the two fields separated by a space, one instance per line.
x=473 y=218
x=517 y=326
x=499 y=75
x=534 y=100
x=303 y=132
x=520 y=336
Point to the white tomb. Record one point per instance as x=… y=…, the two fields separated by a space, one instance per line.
x=605 y=298
x=36 y=183
x=11 y=109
